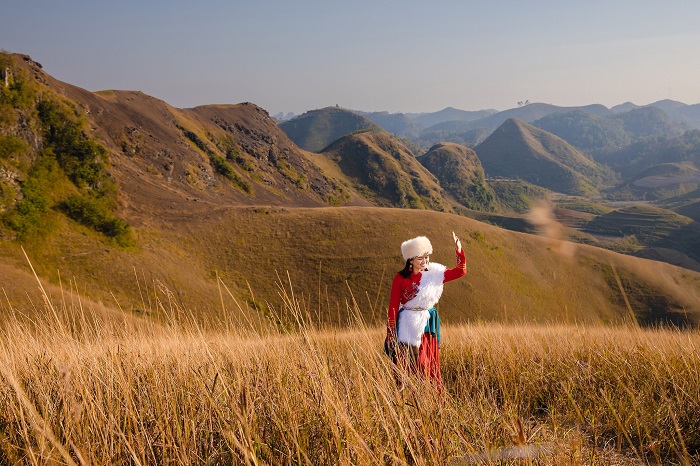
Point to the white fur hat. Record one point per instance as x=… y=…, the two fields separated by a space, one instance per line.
x=416 y=247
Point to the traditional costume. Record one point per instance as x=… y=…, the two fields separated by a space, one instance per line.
x=412 y=318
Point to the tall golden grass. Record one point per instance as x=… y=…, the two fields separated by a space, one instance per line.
x=170 y=389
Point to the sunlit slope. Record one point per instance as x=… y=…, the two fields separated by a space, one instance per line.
x=328 y=252
x=519 y=150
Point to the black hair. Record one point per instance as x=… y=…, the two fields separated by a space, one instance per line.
x=407 y=270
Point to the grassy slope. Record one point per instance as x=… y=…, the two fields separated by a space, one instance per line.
x=385 y=171
x=328 y=250
x=460 y=173
x=519 y=150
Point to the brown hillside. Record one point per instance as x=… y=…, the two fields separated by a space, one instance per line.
x=327 y=251
x=519 y=150
x=460 y=173
x=191 y=223
x=162 y=157
x=384 y=170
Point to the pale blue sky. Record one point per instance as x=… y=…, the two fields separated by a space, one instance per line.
x=392 y=55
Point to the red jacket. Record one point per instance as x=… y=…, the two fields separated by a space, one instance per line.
x=405 y=289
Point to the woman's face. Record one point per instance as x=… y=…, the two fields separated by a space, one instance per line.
x=420 y=263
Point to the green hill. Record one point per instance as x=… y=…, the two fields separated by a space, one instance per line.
x=460 y=173
x=316 y=129
x=384 y=170
x=647 y=122
x=427 y=120
x=399 y=124
x=532 y=112
x=517 y=196
x=468 y=137
x=518 y=150
x=688 y=115
x=638 y=156
x=591 y=134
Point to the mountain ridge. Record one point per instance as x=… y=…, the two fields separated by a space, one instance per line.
x=219 y=193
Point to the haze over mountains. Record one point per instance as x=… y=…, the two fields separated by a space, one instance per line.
x=628 y=153
x=100 y=184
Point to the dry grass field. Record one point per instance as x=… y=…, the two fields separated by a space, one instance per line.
x=79 y=387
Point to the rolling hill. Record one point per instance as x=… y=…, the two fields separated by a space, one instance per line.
x=399 y=124
x=316 y=129
x=451 y=132
x=532 y=112
x=325 y=253
x=519 y=150
x=385 y=171
x=460 y=173
x=225 y=212
x=427 y=120
x=647 y=122
x=589 y=133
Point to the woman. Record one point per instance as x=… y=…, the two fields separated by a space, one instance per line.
x=413 y=324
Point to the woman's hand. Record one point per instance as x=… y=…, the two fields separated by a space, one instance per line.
x=458 y=243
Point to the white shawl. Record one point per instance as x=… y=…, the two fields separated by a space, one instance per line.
x=411 y=324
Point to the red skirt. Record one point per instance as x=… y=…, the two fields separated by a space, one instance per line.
x=429 y=359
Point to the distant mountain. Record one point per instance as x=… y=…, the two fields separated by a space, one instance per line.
x=689 y=115
x=451 y=114
x=591 y=134
x=460 y=173
x=467 y=137
x=517 y=196
x=519 y=150
x=284 y=116
x=636 y=157
x=384 y=170
x=648 y=122
x=532 y=112
x=626 y=107
x=667 y=105
x=471 y=132
x=679 y=112
x=316 y=129
x=399 y=124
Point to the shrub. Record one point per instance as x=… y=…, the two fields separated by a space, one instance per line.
x=92 y=213
x=10 y=146
x=81 y=158
x=31 y=216
x=222 y=167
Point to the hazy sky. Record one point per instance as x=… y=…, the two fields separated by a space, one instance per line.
x=394 y=55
